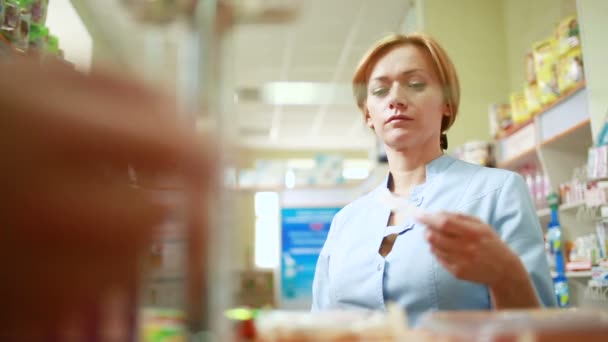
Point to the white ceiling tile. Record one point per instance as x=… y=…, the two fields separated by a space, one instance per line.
x=323 y=45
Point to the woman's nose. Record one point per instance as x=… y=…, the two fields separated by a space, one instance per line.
x=396 y=104
x=398 y=100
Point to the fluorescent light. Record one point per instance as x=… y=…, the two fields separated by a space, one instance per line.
x=306 y=93
x=290 y=179
x=267 y=230
x=266 y=204
x=267 y=253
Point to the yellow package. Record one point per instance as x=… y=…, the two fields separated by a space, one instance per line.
x=532 y=95
x=567 y=35
x=570 y=69
x=500 y=118
x=519 y=109
x=545 y=63
x=530 y=70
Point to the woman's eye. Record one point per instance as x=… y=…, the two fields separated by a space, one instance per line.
x=383 y=91
x=417 y=85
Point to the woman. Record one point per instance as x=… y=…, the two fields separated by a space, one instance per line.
x=482 y=246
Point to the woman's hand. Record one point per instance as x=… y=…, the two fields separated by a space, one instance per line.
x=472 y=250
x=468 y=248
x=73 y=225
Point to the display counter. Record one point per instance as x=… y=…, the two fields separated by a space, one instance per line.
x=553 y=325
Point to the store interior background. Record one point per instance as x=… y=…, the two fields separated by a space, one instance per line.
x=273 y=133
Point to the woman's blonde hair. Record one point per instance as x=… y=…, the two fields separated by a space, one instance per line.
x=441 y=61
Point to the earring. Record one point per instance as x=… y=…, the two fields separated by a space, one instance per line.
x=443 y=141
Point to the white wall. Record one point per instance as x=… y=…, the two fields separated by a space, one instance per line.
x=594 y=30
x=64 y=22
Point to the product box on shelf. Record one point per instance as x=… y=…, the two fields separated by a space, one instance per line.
x=597 y=162
x=270 y=173
x=500 y=118
x=570 y=69
x=23 y=40
x=567 y=34
x=255 y=288
x=12 y=20
x=519 y=108
x=2 y=11
x=530 y=69
x=545 y=64
x=477 y=152
x=328 y=169
x=533 y=101
x=39 y=10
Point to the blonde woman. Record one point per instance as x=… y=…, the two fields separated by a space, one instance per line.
x=479 y=245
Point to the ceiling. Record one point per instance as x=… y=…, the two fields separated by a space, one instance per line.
x=308 y=60
x=313 y=57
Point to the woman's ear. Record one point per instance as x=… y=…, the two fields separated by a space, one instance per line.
x=368 y=119
x=447 y=109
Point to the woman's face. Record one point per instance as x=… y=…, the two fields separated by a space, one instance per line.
x=405 y=101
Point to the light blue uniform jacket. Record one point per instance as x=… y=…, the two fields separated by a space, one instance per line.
x=351 y=274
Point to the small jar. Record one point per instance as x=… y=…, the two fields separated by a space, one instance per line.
x=23 y=40
x=12 y=20
x=2 y=11
x=39 y=9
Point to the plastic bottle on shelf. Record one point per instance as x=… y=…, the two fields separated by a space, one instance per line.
x=554 y=238
x=562 y=292
x=539 y=189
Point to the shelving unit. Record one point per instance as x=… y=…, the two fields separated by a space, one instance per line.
x=574 y=274
x=556 y=140
x=544 y=214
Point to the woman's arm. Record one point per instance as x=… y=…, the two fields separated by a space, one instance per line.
x=518 y=226
x=514 y=289
x=507 y=256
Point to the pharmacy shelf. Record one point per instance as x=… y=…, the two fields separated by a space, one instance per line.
x=574 y=274
x=546 y=212
x=564 y=125
x=528 y=156
x=513 y=129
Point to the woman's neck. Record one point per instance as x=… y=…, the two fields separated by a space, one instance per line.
x=408 y=168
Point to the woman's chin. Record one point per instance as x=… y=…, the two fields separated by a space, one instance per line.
x=401 y=141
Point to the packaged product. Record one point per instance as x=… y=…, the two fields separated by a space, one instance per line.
x=329 y=326
x=500 y=118
x=530 y=70
x=12 y=20
x=532 y=95
x=570 y=69
x=39 y=9
x=52 y=45
x=545 y=64
x=38 y=38
x=163 y=325
x=519 y=108
x=2 y=10
x=23 y=40
x=567 y=35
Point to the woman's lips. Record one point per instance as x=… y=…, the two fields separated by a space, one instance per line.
x=399 y=118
